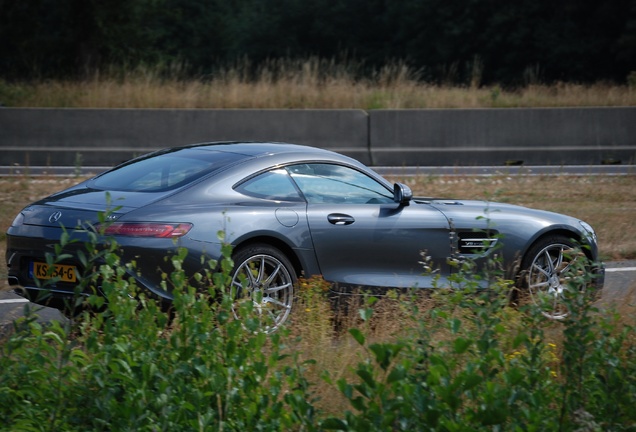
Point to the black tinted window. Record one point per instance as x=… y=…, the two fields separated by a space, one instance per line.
x=164 y=171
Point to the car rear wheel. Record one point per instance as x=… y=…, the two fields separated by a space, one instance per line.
x=263 y=275
x=553 y=268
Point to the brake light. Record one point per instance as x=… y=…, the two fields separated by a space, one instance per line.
x=147 y=229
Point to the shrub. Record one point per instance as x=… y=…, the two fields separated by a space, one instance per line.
x=463 y=360
x=134 y=366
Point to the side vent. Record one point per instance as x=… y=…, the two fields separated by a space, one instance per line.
x=476 y=242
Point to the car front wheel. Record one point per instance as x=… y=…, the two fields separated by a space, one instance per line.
x=264 y=276
x=552 y=269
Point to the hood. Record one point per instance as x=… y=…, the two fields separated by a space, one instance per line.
x=500 y=216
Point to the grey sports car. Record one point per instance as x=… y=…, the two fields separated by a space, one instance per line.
x=289 y=211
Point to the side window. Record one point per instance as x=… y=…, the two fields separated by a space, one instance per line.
x=326 y=183
x=273 y=185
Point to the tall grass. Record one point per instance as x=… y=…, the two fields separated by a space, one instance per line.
x=298 y=84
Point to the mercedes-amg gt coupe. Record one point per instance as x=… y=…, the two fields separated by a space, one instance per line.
x=289 y=211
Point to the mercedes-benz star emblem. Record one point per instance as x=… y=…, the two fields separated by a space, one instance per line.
x=55 y=217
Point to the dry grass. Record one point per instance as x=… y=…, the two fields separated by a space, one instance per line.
x=322 y=324
x=311 y=83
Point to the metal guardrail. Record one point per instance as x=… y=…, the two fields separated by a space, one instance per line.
x=613 y=170
x=419 y=137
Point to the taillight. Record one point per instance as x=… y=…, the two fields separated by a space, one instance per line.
x=147 y=229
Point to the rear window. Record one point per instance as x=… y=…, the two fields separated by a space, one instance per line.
x=165 y=171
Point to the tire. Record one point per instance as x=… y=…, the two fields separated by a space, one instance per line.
x=264 y=275
x=552 y=268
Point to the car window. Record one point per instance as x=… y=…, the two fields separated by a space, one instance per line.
x=272 y=185
x=163 y=171
x=327 y=183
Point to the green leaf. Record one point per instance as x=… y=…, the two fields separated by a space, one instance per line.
x=357 y=335
x=455 y=325
x=367 y=378
x=397 y=374
x=365 y=314
x=519 y=339
x=471 y=381
x=461 y=345
x=333 y=424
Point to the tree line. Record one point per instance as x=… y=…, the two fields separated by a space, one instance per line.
x=453 y=41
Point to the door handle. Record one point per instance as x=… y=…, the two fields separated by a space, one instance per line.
x=340 y=219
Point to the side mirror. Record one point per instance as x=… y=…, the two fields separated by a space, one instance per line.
x=402 y=194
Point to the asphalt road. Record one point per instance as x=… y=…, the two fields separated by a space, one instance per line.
x=12 y=307
x=620 y=288
x=620 y=283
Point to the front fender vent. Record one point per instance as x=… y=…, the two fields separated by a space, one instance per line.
x=477 y=243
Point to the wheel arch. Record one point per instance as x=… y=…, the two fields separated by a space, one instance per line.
x=555 y=231
x=279 y=244
x=516 y=272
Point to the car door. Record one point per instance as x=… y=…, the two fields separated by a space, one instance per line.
x=362 y=237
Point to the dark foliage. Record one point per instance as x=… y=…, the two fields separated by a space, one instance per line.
x=455 y=42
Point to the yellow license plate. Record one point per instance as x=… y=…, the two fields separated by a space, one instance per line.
x=66 y=273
